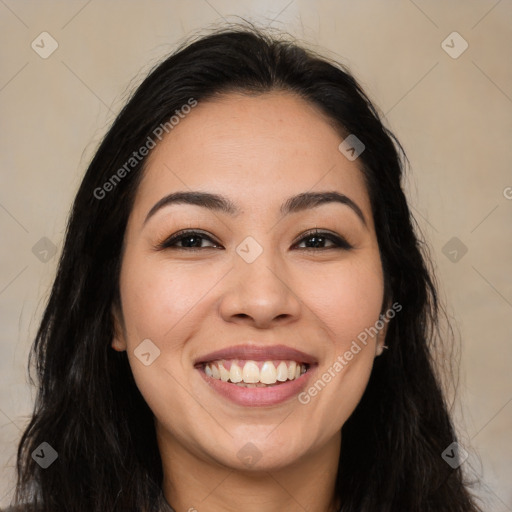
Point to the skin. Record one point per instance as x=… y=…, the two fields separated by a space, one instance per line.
x=258 y=151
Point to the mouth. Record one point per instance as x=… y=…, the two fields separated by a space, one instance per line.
x=251 y=373
x=256 y=376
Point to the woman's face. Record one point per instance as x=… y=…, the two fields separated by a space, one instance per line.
x=255 y=281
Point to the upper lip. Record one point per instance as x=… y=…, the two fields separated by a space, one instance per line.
x=257 y=353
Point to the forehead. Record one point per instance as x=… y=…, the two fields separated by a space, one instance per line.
x=256 y=149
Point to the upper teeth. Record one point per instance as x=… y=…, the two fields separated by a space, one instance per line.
x=252 y=372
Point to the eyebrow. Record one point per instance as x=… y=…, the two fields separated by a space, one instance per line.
x=294 y=204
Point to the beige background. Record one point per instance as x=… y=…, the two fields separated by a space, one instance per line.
x=453 y=116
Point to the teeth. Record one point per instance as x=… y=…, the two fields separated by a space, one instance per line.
x=244 y=385
x=250 y=375
x=268 y=373
x=235 y=373
x=291 y=370
x=282 y=372
x=224 y=374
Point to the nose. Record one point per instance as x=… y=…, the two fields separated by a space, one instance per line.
x=260 y=293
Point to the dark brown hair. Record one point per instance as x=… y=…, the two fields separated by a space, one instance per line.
x=88 y=407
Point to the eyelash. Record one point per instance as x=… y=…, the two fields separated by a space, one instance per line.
x=340 y=242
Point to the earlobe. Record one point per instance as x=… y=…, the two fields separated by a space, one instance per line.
x=380 y=349
x=118 y=345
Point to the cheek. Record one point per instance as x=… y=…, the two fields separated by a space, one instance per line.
x=162 y=303
x=349 y=302
x=158 y=298
x=348 y=299
x=158 y=304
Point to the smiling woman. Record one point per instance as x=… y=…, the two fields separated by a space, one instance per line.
x=215 y=337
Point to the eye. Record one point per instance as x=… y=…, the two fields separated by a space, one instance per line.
x=190 y=240
x=319 y=237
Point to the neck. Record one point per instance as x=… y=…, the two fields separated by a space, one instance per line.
x=193 y=484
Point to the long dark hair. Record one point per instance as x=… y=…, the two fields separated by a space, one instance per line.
x=88 y=407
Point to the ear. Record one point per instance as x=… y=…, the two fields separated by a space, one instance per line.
x=380 y=346
x=119 y=339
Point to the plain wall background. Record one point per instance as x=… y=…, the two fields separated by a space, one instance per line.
x=452 y=115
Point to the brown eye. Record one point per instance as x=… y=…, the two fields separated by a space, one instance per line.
x=189 y=240
x=192 y=240
x=317 y=238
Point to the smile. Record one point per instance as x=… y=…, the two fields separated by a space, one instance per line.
x=255 y=374
x=249 y=373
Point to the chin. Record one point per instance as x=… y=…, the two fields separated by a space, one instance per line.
x=254 y=456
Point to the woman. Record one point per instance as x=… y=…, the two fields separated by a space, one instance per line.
x=242 y=318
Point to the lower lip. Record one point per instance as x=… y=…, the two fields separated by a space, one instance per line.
x=261 y=397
